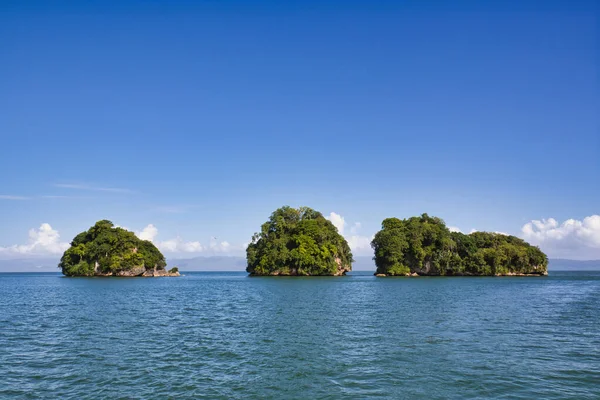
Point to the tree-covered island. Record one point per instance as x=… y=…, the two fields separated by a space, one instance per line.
x=424 y=246
x=106 y=250
x=298 y=242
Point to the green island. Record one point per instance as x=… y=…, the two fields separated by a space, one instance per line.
x=298 y=242
x=425 y=246
x=106 y=250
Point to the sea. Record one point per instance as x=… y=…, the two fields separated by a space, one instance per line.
x=225 y=335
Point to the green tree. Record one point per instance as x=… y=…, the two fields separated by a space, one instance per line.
x=298 y=242
x=105 y=249
x=425 y=246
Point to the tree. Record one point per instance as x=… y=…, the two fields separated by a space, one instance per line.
x=425 y=246
x=105 y=249
x=298 y=242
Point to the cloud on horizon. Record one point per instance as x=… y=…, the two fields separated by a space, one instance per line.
x=572 y=239
x=43 y=241
x=359 y=244
x=178 y=245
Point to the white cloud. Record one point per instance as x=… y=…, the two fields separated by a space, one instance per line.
x=338 y=221
x=219 y=247
x=355 y=228
x=456 y=229
x=77 y=186
x=12 y=197
x=43 y=241
x=571 y=239
x=358 y=243
x=179 y=245
x=148 y=233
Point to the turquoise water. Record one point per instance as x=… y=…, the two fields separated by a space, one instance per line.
x=227 y=336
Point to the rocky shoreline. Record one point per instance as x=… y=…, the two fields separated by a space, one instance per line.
x=140 y=272
x=294 y=272
x=414 y=274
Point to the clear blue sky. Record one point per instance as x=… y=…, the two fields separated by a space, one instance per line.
x=209 y=115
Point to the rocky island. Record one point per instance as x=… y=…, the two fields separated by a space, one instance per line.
x=425 y=246
x=298 y=242
x=106 y=250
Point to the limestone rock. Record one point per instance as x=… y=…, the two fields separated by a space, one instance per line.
x=135 y=271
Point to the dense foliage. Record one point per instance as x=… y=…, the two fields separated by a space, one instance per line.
x=298 y=242
x=424 y=245
x=104 y=249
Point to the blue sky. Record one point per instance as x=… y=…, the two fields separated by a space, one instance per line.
x=202 y=117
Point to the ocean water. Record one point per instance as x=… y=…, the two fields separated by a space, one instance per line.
x=229 y=336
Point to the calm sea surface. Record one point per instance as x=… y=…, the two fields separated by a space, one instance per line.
x=228 y=336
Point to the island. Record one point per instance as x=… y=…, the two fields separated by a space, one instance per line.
x=298 y=242
x=106 y=250
x=425 y=246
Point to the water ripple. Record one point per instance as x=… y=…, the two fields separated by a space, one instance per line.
x=227 y=336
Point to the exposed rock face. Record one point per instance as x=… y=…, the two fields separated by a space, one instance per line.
x=139 y=271
x=426 y=270
x=407 y=274
x=341 y=268
x=160 y=272
x=106 y=250
x=135 y=271
x=313 y=246
x=542 y=273
x=294 y=272
x=425 y=246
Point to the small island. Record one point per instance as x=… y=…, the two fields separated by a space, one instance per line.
x=425 y=246
x=106 y=250
x=298 y=242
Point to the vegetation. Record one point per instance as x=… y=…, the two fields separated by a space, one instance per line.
x=424 y=245
x=173 y=270
x=105 y=249
x=298 y=242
